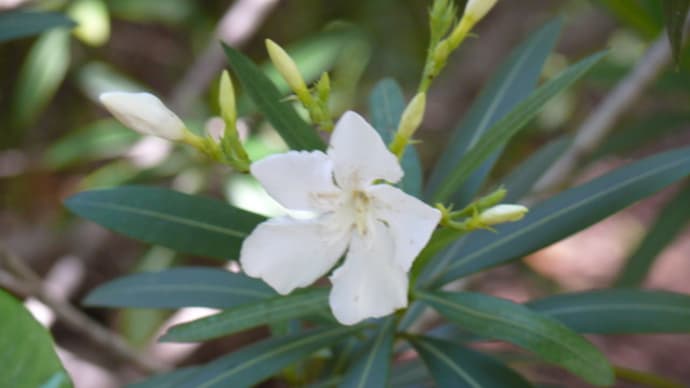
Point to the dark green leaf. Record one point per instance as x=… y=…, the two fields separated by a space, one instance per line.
x=166 y=380
x=569 y=212
x=618 y=311
x=386 y=105
x=504 y=320
x=523 y=177
x=501 y=132
x=180 y=287
x=643 y=16
x=452 y=365
x=408 y=374
x=373 y=367
x=675 y=12
x=256 y=362
x=27 y=351
x=185 y=223
x=512 y=83
x=296 y=133
x=267 y=311
x=18 y=24
x=669 y=223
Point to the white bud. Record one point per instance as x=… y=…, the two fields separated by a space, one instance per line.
x=477 y=9
x=144 y=113
x=502 y=213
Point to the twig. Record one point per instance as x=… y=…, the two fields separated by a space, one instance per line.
x=237 y=25
x=27 y=283
x=601 y=121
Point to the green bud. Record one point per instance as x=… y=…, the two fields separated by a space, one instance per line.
x=288 y=69
x=502 y=213
x=226 y=99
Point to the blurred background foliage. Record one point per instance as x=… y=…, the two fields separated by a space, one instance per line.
x=57 y=140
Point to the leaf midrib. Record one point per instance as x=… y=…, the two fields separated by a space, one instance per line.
x=448 y=361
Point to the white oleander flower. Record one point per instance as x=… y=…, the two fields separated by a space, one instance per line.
x=380 y=228
x=144 y=113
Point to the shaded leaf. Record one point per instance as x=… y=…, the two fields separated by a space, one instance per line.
x=27 y=351
x=501 y=132
x=180 y=287
x=501 y=319
x=166 y=380
x=455 y=366
x=19 y=23
x=619 y=311
x=372 y=369
x=296 y=133
x=568 y=212
x=268 y=311
x=386 y=104
x=675 y=12
x=512 y=83
x=185 y=223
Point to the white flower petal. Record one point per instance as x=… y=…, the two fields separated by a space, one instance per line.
x=359 y=154
x=144 y=113
x=299 y=180
x=370 y=284
x=288 y=253
x=410 y=220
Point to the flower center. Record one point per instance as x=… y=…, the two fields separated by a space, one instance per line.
x=360 y=204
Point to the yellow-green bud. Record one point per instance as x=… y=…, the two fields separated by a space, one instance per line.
x=226 y=99
x=502 y=213
x=413 y=115
x=287 y=68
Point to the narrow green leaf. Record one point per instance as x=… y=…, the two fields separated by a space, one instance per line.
x=41 y=75
x=504 y=320
x=408 y=374
x=180 y=287
x=669 y=223
x=512 y=83
x=27 y=352
x=268 y=311
x=521 y=180
x=18 y=24
x=619 y=311
x=386 y=105
x=296 y=133
x=166 y=380
x=569 y=212
x=455 y=366
x=256 y=362
x=372 y=369
x=501 y=132
x=675 y=12
x=185 y=223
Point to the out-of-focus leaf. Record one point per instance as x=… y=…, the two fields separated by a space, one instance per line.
x=386 y=105
x=644 y=16
x=410 y=374
x=521 y=180
x=27 y=352
x=100 y=140
x=619 y=311
x=95 y=78
x=180 y=287
x=41 y=75
x=372 y=368
x=268 y=311
x=669 y=223
x=512 y=83
x=256 y=362
x=675 y=13
x=569 y=212
x=185 y=223
x=166 y=380
x=501 y=319
x=455 y=366
x=173 y=12
x=296 y=133
x=18 y=24
x=499 y=133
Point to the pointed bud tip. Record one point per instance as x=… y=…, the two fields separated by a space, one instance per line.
x=144 y=113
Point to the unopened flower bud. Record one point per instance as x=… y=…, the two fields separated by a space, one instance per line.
x=226 y=99
x=287 y=68
x=502 y=213
x=477 y=9
x=144 y=113
x=413 y=115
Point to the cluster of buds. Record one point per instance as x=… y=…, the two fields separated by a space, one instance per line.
x=482 y=213
x=146 y=114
